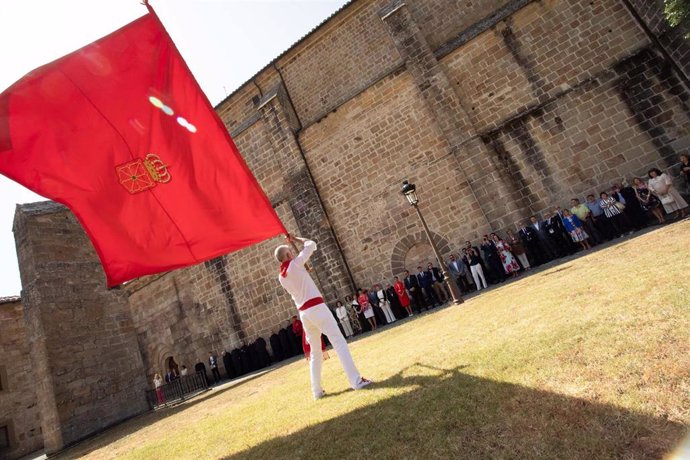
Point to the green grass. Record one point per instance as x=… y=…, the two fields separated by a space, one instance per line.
x=589 y=359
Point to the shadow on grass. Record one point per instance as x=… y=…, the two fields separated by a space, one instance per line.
x=449 y=414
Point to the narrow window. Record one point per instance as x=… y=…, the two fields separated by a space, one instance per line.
x=4 y=437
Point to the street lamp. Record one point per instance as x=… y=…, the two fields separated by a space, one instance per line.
x=410 y=192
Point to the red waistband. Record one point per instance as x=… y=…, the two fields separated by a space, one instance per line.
x=311 y=303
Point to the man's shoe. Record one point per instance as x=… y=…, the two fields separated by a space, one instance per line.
x=362 y=383
x=319 y=395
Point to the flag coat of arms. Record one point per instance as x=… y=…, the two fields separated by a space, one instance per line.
x=120 y=132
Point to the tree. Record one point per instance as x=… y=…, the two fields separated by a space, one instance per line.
x=678 y=14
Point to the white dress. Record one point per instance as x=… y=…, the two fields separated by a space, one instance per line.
x=668 y=195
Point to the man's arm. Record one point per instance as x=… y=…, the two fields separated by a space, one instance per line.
x=307 y=250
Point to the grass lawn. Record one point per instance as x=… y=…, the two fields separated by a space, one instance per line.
x=589 y=359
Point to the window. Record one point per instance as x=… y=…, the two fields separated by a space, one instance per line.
x=4 y=437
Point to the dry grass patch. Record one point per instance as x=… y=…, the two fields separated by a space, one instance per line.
x=589 y=359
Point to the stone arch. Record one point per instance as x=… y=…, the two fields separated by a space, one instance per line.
x=159 y=357
x=408 y=242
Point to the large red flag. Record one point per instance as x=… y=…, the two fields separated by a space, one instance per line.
x=120 y=132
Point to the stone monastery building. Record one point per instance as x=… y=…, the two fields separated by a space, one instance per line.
x=496 y=109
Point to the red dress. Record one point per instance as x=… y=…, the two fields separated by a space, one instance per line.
x=402 y=294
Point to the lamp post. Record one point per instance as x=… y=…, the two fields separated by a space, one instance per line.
x=410 y=192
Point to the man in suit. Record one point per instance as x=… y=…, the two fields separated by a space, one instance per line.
x=458 y=271
x=213 y=363
x=425 y=283
x=529 y=238
x=559 y=238
x=544 y=245
x=227 y=363
x=413 y=287
x=437 y=283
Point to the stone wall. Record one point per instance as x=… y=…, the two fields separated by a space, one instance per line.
x=87 y=365
x=19 y=412
x=495 y=109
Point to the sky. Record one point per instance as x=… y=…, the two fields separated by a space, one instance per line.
x=225 y=42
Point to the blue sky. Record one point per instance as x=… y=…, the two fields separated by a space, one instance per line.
x=224 y=42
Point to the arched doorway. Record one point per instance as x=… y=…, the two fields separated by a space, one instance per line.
x=171 y=365
x=419 y=255
x=414 y=250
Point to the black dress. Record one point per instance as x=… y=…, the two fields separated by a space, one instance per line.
x=648 y=200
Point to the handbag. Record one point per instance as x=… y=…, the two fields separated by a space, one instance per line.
x=667 y=199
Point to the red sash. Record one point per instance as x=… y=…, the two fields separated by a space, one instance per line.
x=311 y=303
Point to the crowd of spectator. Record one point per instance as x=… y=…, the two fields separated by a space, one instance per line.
x=621 y=210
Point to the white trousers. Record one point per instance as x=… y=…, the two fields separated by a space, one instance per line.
x=316 y=321
x=523 y=260
x=477 y=274
x=347 y=327
x=386 y=307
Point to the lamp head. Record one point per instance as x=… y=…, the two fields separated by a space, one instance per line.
x=410 y=192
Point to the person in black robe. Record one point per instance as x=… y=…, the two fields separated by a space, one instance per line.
x=254 y=360
x=245 y=358
x=392 y=297
x=560 y=239
x=227 y=364
x=200 y=368
x=276 y=348
x=295 y=341
x=236 y=357
x=286 y=342
x=264 y=358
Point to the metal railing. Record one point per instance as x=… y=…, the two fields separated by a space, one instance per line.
x=177 y=391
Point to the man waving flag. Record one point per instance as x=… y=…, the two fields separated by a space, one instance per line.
x=120 y=132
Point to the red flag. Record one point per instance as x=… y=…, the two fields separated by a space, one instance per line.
x=120 y=132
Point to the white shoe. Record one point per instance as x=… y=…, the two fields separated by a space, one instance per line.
x=362 y=383
x=319 y=395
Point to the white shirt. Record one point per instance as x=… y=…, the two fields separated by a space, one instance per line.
x=341 y=312
x=298 y=282
x=183 y=371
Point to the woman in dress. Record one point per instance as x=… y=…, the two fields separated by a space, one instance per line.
x=158 y=385
x=366 y=309
x=403 y=298
x=662 y=186
x=574 y=226
x=354 y=317
x=648 y=201
x=508 y=261
x=518 y=249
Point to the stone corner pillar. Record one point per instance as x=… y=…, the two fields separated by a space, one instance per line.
x=84 y=351
x=303 y=197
